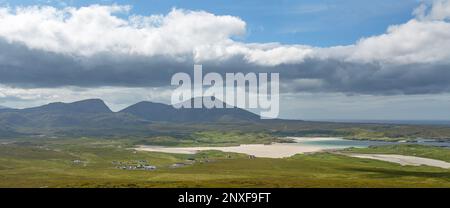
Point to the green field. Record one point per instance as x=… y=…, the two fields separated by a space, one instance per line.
x=93 y=163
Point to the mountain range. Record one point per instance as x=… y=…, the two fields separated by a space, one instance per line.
x=93 y=115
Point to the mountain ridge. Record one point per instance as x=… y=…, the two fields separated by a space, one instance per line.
x=81 y=106
x=93 y=115
x=163 y=112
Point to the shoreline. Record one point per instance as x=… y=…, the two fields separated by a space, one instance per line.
x=402 y=159
x=274 y=150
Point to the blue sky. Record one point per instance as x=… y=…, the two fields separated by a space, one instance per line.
x=311 y=22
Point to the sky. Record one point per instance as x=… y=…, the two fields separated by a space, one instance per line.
x=344 y=59
x=311 y=22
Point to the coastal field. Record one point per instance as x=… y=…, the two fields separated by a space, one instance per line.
x=88 y=162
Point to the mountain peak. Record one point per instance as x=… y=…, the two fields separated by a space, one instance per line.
x=163 y=112
x=82 y=106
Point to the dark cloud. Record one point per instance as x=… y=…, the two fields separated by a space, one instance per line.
x=24 y=67
x=28 y=68
x=370 y=78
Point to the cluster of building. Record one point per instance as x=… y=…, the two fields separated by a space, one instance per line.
x=79 y=162
x=144 y=164
x=138 y=165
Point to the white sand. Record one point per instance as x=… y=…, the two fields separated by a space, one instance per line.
x=403 y=160
x=302 y=139
x=275 y=150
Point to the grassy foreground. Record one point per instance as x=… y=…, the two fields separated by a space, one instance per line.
x=93 y=163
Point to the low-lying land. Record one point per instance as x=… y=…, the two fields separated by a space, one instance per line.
x=87 y=162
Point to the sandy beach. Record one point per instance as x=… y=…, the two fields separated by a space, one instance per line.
x=275 y=150
x=403 y=159
x=259 y=150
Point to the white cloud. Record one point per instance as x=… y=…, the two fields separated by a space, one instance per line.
x=424 y=39
x=416 y=41
x=433 y=10
x=96 y=29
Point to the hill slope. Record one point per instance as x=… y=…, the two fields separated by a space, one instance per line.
x=91 y=113
x=162 y=112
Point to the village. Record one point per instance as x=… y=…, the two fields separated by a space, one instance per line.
x=134 y=165
x=145 y=165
